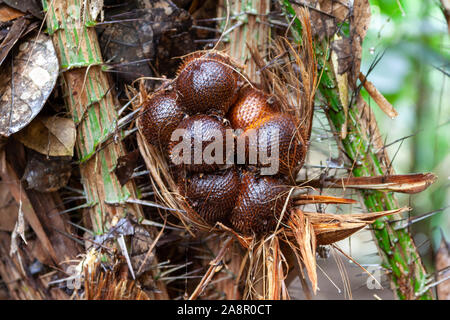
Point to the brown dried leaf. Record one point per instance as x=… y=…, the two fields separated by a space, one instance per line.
x=331 y=233
x=34 y=74
x=326 y=15
x=47 y=175
x=7 y=13
x=276 y=287
x=295 y=84
x=402 y=183
x=379 y=99
x=318 y=218
x=7 y=173
x=51 y=136
x=15 y=32
x=29 y=6
x=142 y=253
x=8 y=210
x=126 y=165
x=111 y=285
x=360 y=19
x=343 y=49
x=212 y=270
x=330 y=228
x=338 y=9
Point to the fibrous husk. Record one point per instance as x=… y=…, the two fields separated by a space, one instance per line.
x=326 y=15
x=359 y=23
x=330 y=228
x=125 y=166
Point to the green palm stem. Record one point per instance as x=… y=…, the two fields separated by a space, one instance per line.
x=396 y=246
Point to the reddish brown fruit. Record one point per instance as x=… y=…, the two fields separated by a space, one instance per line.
x=259 y=204
x=198 y=135
x=251 y=106
x=207 y=84
x=212 y=195
x=159 y=117
x=272 y=133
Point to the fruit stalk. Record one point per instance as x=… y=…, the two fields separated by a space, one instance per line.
x=398 y=251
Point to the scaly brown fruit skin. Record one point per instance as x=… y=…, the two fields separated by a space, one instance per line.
x=199 y=132
x=259 y=204
x=212 y=195
x=160 y=116
x=207 y=84
x=290 y=145
x=252 y=105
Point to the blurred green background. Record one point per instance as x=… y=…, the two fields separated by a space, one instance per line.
x=413 y=75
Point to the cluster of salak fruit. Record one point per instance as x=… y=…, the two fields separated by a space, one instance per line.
x=210 y=95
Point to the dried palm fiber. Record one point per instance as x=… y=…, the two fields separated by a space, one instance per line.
x=50 y=245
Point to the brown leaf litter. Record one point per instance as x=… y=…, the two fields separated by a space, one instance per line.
x=28 y=85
